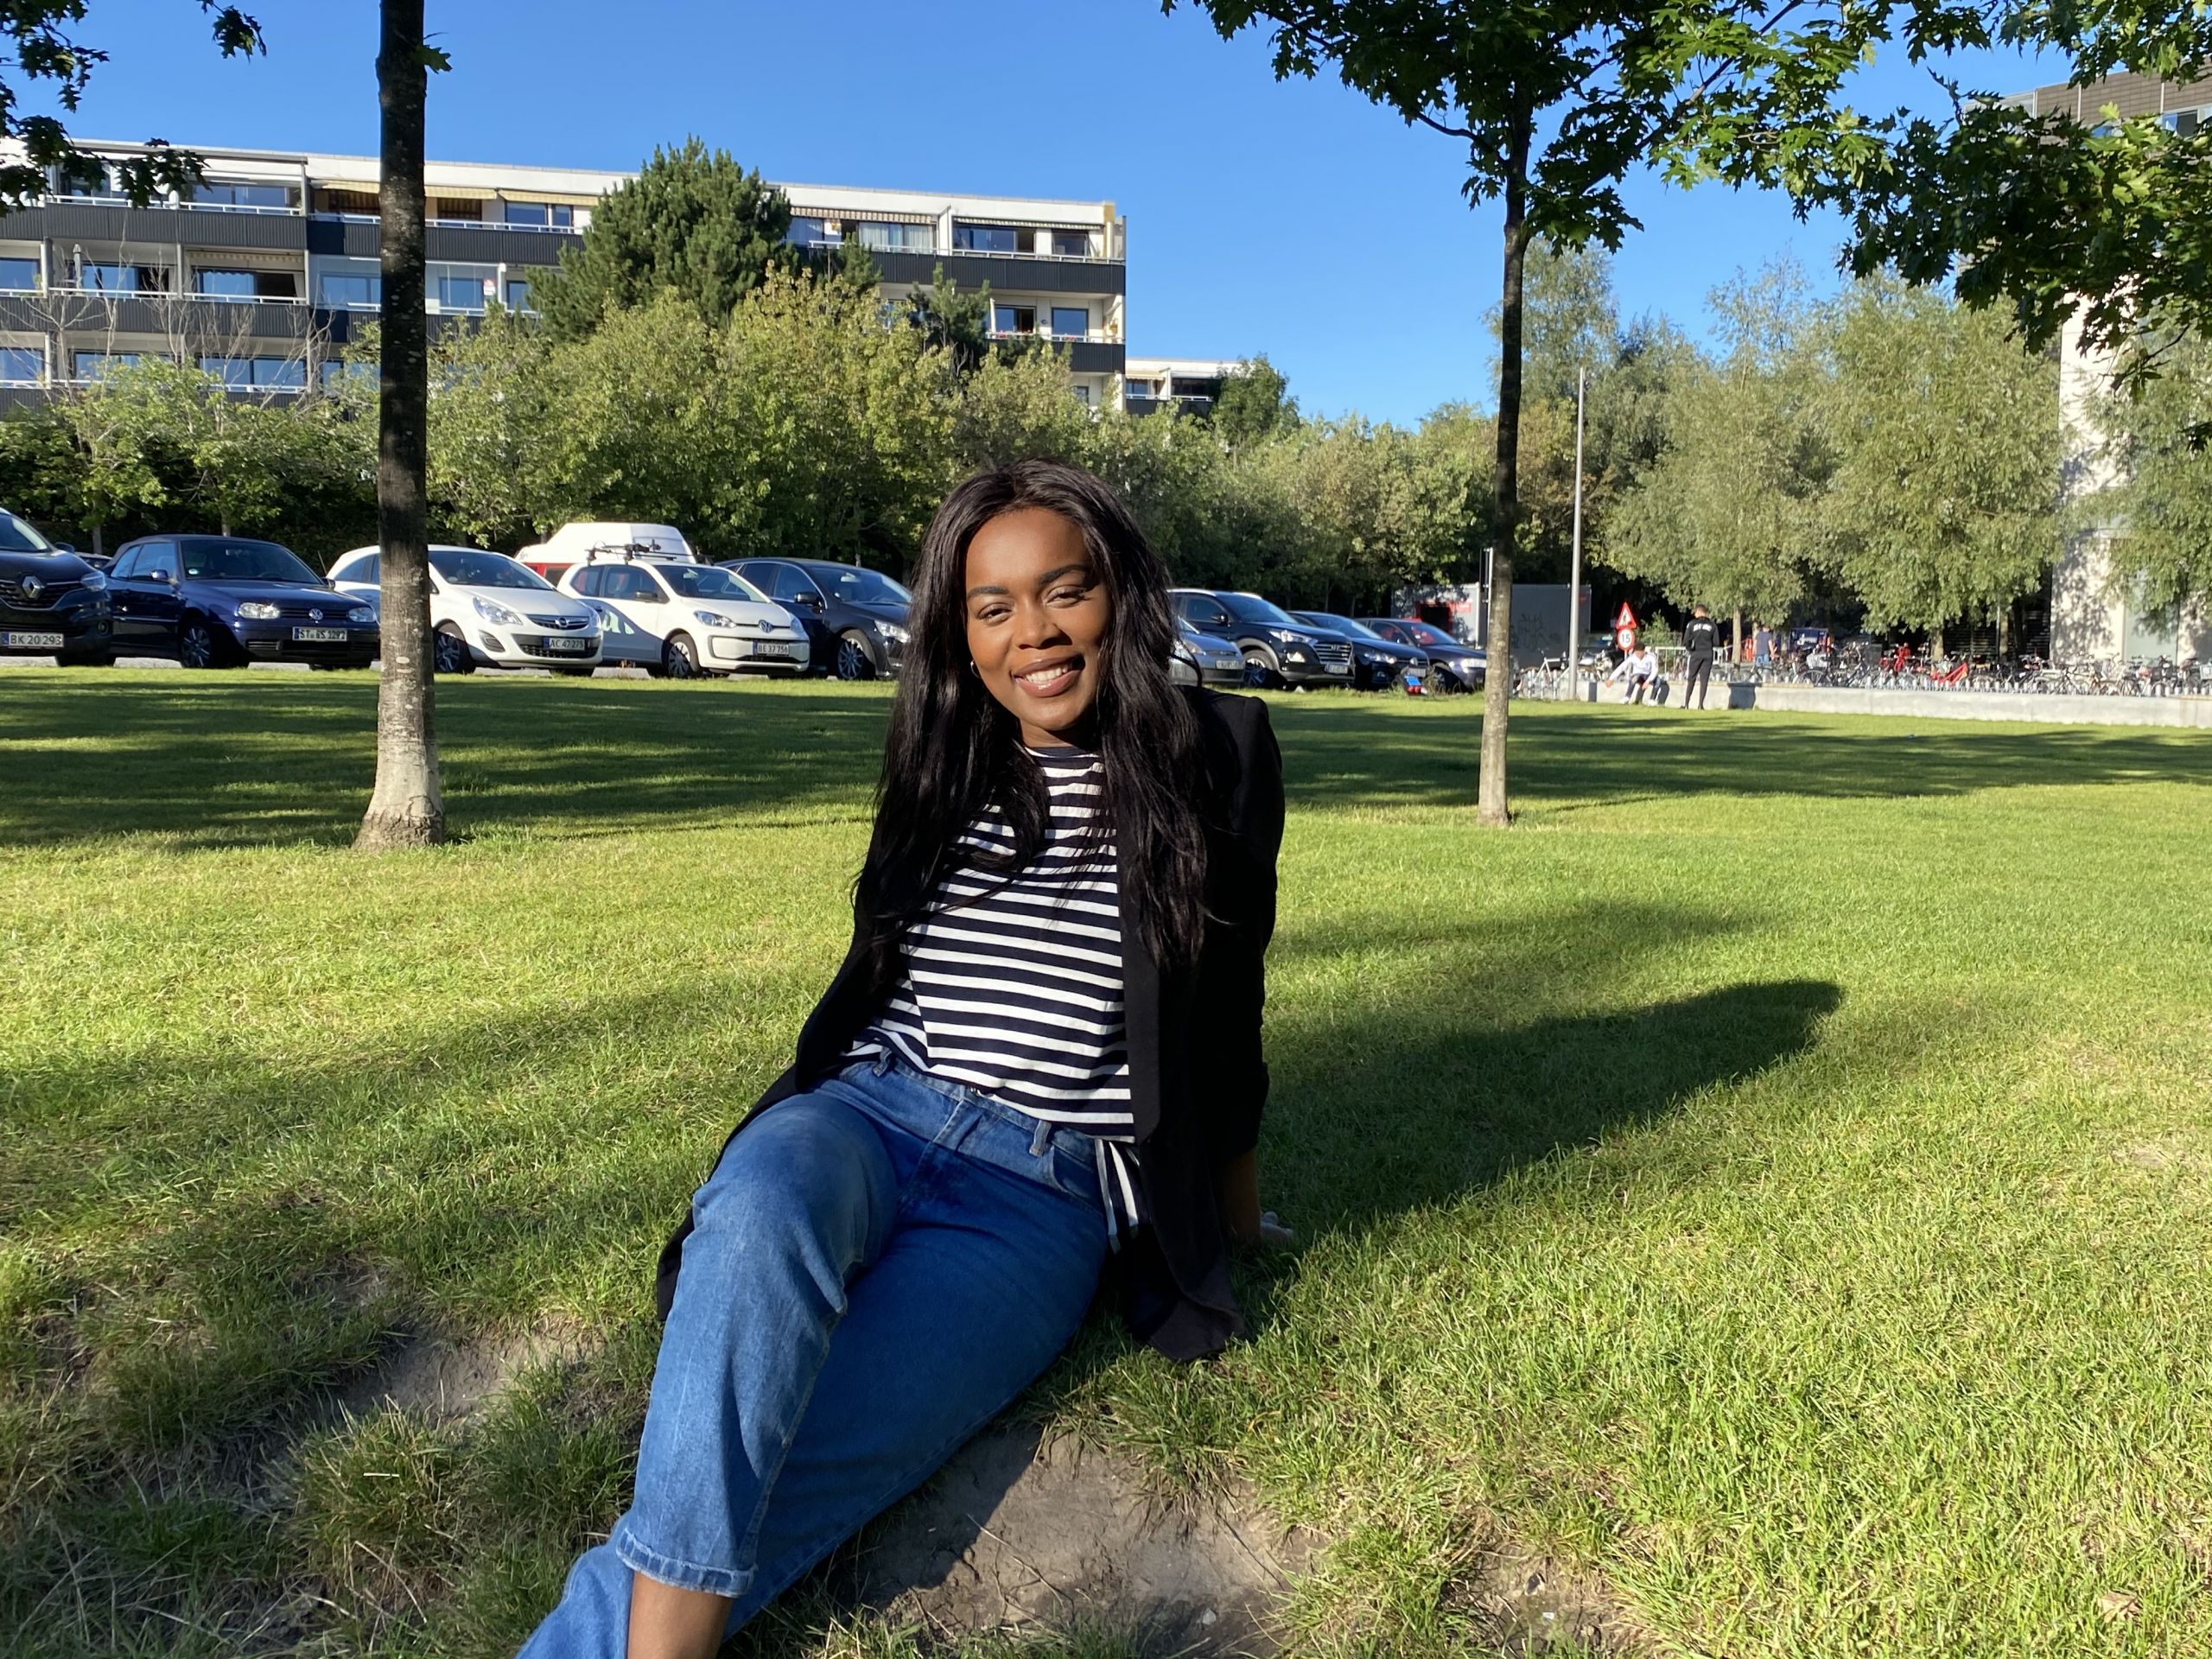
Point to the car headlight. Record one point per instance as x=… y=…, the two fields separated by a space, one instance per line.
x=93 y=581
x=714 y=619
x=891 y=632
x=361 y=614
x=495 y=613
x=258 y=610
x=1284 y=636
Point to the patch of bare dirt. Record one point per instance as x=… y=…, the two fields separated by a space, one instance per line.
x=1014 y=1535
x=444 y=1380
x=1523 y=1603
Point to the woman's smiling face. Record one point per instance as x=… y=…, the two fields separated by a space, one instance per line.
x=1038 y=615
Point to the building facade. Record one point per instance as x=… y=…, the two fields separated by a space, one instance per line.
x=262 y=274
x=2093 y=615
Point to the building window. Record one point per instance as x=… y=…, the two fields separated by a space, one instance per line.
x=358 y=204
x=97 y=365
x=1082 y=393
x=518 y=295
x=808 y=232
x=1013 y=318
x=351 y=368
x=1070 y=322
x=350 y=290
x=123 y=279
x=468 y=210
x=21 y=365
x=1073 y=244
x=216 y=193
x=247 y=373
x=246 y=284
x=541 y=215
x=985 y=238
x=879 y=238
x=19 y=275
x=463 y=288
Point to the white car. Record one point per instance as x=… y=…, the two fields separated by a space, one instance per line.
x=487 y=609
x=577 y=543
x=683 y=620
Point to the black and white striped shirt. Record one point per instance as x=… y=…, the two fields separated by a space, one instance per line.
x=1012 y=984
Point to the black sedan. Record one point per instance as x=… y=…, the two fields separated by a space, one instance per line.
x=222 y=602
x=1377 y=664
x=1455 y=666
x=52 y=603
x=1278 y=649
x=854 y=618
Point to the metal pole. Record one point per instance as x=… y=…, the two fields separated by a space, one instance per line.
x=1575 y=569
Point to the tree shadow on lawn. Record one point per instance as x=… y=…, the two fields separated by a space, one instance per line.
x=252 y=760
x=1338 y=753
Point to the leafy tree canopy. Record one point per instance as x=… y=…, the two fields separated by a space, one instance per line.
x=693 y=222
x=1254 y=402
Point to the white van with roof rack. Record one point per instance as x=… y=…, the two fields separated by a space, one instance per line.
x=682 y=619
x=568 y=545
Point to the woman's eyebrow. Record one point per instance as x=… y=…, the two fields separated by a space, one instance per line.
x=1045 y=580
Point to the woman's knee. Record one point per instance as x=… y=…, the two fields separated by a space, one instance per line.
x=807 y=1171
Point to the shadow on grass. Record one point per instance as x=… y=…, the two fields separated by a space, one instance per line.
x=254 y=759
x=1337 y=751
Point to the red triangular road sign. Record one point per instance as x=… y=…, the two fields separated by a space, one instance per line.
x=1626 y=619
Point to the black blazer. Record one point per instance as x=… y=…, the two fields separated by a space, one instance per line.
x=1197 y=1081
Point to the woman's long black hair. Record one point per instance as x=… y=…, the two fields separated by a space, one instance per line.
x=954 y=749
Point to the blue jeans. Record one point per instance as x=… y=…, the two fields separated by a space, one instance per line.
x=878 y=1266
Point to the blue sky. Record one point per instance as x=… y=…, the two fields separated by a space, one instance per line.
x=1294 y=220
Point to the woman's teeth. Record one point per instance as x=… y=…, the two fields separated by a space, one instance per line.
x=1038 y=678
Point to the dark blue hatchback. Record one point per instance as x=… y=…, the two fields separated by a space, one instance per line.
x=222 y=602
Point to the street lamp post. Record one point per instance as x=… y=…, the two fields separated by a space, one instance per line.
x=1575 y=569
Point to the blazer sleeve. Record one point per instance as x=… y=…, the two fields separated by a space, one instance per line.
x=1230 y=1070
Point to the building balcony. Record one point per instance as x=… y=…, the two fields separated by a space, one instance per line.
x=1024 y=273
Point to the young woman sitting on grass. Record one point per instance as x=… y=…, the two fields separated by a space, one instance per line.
x=1042 y=1051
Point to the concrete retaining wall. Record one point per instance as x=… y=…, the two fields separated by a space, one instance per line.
x=2184 y=712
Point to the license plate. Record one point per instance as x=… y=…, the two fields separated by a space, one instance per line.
x=319 y=636
x=763 y=650
x=33 y=642
x=557 y=642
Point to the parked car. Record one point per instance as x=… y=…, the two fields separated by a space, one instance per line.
x=1276 y=646
x=699 y=618
x=1455 y=666
x=572 y=543
x=1204 y=658
x=1377 y=664
x=854 y=618
x=52 y=602
x=222 y=602
x=488 y=609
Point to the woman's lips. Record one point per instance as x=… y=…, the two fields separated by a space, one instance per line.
x=1051 y=682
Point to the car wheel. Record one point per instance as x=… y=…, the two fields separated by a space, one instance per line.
x=854 y=660
x=201 y=642
x=449 y=652
x=679 y=657
x=1445 y=684
x=1260 y=668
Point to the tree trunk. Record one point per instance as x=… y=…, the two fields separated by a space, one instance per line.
x=1492 y=805
x=1736 y=653
x=408 y=809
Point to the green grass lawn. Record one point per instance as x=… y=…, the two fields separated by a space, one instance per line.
x=1776 y=1175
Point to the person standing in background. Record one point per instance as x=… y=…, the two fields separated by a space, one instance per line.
x=1762 y=645
x=1701 y=639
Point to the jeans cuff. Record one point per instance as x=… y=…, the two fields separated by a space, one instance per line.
x=671 y=1570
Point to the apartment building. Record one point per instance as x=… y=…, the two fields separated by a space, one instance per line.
x=2093 y=615
x=1187 y=384
x=264 y=273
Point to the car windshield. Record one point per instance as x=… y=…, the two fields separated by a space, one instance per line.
x=1250 y=607
x=468 y=567
x=17 y=536
x=213 y=561
x=1427 y=633
x=857 y=586
x=705 y=582
x=1341 y=624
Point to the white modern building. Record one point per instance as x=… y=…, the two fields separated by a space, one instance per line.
x=1188 y=383
x=2094 y=616
x=261 y=275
